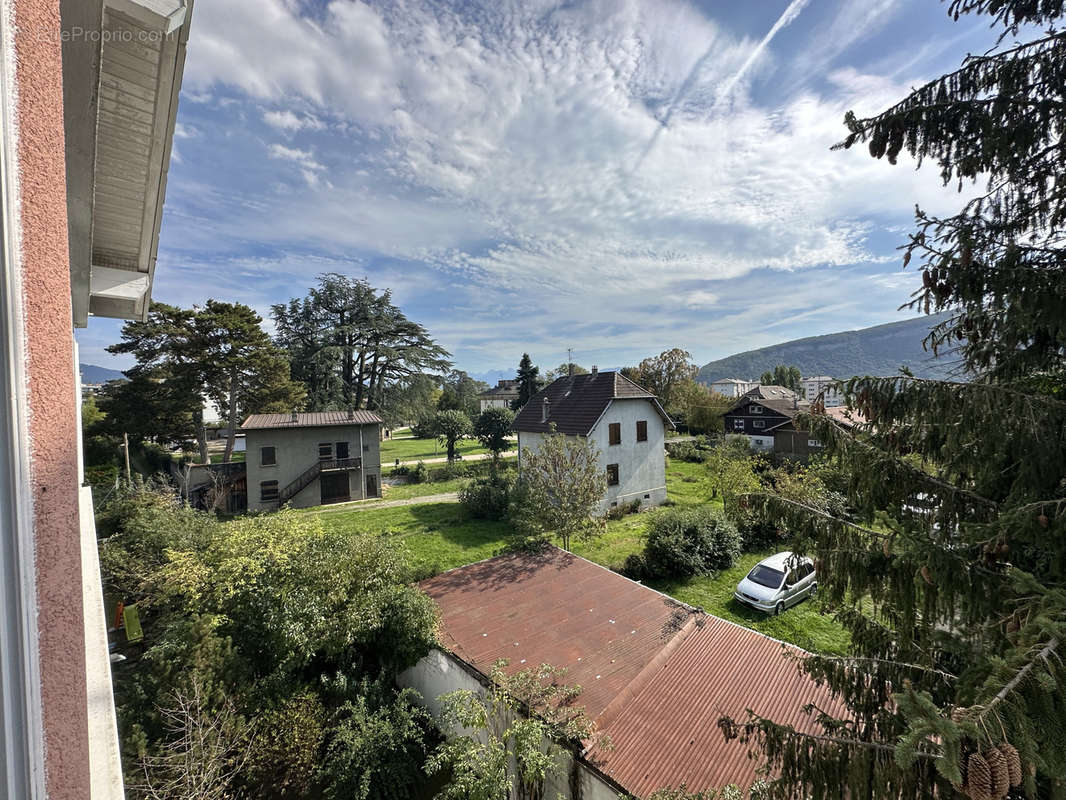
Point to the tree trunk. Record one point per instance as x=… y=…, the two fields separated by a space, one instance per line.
x=231 y=415
x=373 y=383
x=451 y=449
x=201 y=433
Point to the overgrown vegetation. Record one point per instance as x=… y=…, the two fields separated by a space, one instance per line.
x=684 y=541
x=277 y=640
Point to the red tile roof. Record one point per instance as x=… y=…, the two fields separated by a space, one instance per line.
x=656 y=674
x=317 y=419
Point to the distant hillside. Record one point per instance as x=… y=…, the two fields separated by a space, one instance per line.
x=93 y=374
x=870 y=351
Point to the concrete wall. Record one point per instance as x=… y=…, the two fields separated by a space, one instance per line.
x=439 y=673
x=41 y=264
x=297 y=449
x=641 y=465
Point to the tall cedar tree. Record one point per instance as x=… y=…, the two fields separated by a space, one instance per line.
x=529 y=382
x=244 y=371
x=955 y=600
x=348 y=343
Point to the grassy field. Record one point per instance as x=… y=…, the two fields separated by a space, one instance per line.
x=419 y=449
x=441 y=536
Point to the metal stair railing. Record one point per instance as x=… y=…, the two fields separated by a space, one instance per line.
x=304 y=479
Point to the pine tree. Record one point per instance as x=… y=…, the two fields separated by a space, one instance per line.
x=529 y=382
x=951 y=575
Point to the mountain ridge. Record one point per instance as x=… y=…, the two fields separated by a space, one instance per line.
x=877 y=350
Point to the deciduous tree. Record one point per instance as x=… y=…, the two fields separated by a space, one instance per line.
x=561 y=483
x=493 y=428
x=663 y=374
x=451 y=427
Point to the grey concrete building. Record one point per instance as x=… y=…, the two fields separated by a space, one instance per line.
x=312 y=459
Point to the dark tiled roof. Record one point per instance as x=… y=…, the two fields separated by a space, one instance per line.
x=577 y=401
x=502 y=389
x=778 y=398
x=655 y=674
x=317 y=419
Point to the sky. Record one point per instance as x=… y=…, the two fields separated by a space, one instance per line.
x=618 y=177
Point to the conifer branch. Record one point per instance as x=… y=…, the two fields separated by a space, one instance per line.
x=1014 y=682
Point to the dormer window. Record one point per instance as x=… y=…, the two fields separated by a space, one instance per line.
x=755 y=410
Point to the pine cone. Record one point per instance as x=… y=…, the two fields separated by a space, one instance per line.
x=1043 y=520
x=997 y=766
x=1014 y=763
x=978 y=778
x=927 y=575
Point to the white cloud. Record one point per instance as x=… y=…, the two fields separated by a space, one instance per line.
x=288 y=121
x=494 y=142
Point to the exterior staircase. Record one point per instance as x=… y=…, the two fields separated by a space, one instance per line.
x=309 y=475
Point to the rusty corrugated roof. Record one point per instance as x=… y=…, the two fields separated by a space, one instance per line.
x=656 y=674
x=316 y=419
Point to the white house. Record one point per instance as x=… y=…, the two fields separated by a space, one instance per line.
x=812 y=387
x=733 y=387
x=624 y=421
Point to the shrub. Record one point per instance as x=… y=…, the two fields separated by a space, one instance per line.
x=451 y=471
x=690 y=541
x=635 y=567
x=623 y=510
x=420 y=473
x=487 y=498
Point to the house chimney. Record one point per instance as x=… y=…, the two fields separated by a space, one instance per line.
x=295 y=416
x=795 y=402
x=545 y=410
x=570 y=369
x=595 y=369
x=351 y=413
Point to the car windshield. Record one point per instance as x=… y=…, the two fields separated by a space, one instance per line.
x=765 y=576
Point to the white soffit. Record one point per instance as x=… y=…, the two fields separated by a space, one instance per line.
x=141 y=59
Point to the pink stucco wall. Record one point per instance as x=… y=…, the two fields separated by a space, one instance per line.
x=51 y=393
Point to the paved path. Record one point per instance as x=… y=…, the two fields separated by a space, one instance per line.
x=372 y=505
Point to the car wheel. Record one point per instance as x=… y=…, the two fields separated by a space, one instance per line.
x=779 y=609
x=814 y=588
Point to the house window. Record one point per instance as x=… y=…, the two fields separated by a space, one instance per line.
x=758 y=423
x=814 y=443
x=614 y=433
x=342 y=450
x=325 y=451
x=738 y=424
x=268 y=492
x=268 y=456
x=366 y=448
x=642 y=430
x=612 y=474
x=755 y=410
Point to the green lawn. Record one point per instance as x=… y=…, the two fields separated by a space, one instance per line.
x=419 y=449
x=216 y=458
x=409 y=490
x=441 y=536
x=802 y=625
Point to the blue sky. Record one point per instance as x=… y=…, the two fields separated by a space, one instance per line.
x=615 y=176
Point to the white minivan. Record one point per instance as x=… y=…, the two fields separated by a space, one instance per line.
x=777 y=582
